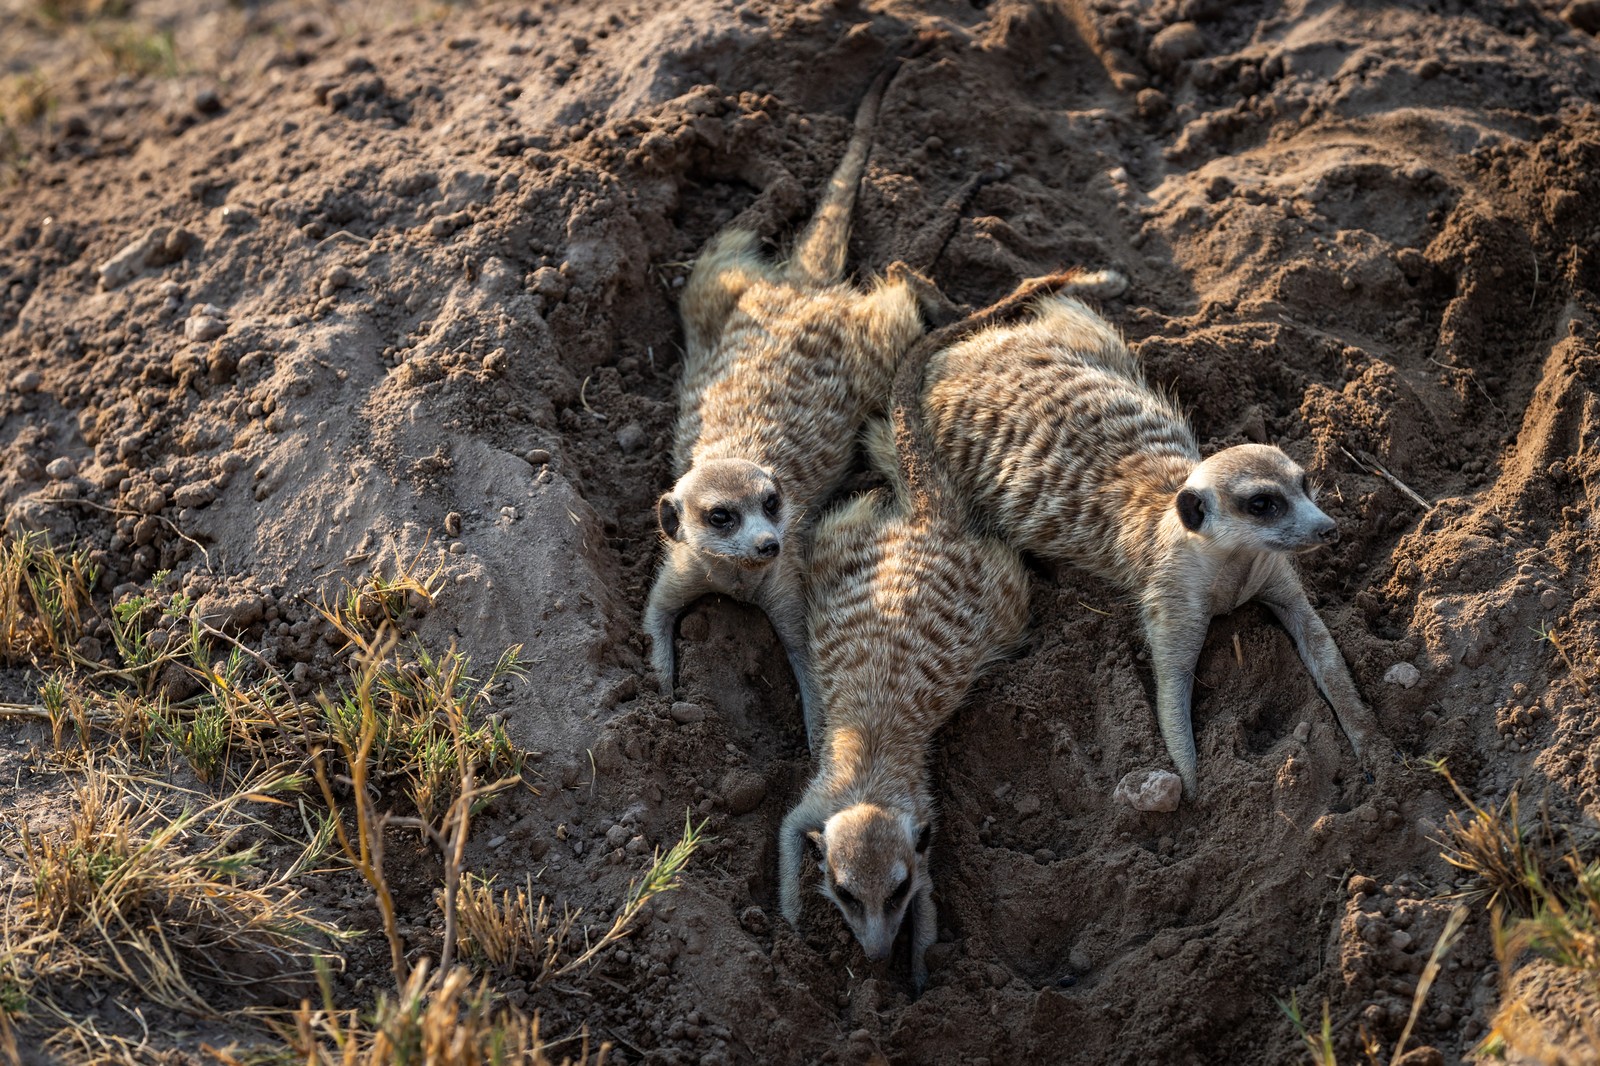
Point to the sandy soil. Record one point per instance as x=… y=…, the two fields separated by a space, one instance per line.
x=380 y=275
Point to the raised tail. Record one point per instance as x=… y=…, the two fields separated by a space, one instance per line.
x=819 y=254
x=924 y=478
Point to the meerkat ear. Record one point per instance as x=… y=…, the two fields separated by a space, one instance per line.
x=1191 y=509
x=819 y=844
x=924 y=834
x=667 y=515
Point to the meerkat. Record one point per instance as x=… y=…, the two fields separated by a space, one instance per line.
x=907 y=604
x=783 y=364
x=1050 y=427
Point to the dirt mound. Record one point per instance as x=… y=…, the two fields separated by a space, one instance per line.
x=347 y=303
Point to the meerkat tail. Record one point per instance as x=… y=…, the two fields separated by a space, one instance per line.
x=819 y=254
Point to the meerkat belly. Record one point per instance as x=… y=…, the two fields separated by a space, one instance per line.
x=1045 y=445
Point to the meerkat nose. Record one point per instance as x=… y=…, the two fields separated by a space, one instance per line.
x=1329 y=533
x=767 y=546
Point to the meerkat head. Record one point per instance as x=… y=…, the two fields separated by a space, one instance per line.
x=728 y=508
x=1254 y=496
x=873 y=862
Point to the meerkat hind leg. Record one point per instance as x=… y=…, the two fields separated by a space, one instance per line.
x=728 y=265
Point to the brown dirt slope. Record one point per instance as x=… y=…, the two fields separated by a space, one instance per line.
x=388 y=276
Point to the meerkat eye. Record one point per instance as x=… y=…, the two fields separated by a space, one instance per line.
x=1263 y=505
x=770 y=505
x=898 y=895
x=844 y=897
x=1305 y=484
x=720 y=517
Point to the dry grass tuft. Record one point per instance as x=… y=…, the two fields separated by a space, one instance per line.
x=177 y=907
x=173 y=906
x=44 y=600
x=501 y=931
x=432 y=1022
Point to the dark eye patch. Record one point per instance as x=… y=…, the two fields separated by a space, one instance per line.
x=844 y=896
x=770 y=505
x=898 y=895
x=1264 y=505
x=721 y=517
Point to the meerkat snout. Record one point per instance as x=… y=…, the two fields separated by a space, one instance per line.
x=1254 y=495
x=727 y=508
x=872 y=862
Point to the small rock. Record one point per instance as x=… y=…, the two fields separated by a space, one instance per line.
x=548 y=282
x=1400 y=940
x=1165 y=945
x=198 y=494
x=337 y=278
x=687 y=713
x=132 y=258
x=754 y=920
x=617 y=836
x=1302 y=732
x=1362 y=885
x=452 y=523
x=235 y=217
x=1549 y=599
x=207 y=102
x=1403 y=674
x=1029 y=805
x=27 y=381
x=537 y=456
x=1150 y=790
x=631 y=437
x=1152 y=104
x=146 y=498
x=204 y=328
x=742 y=790
x=232 y=612
x=1176 y=43
x=61 y=468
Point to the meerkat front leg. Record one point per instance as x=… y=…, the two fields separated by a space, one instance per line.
x=1287 y=598
x=1176 y=630
x=791 y=851
x=924 y=931
x=668 y=598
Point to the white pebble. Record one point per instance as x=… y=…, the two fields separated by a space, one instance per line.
x=1150 y=790
x=1403 y=674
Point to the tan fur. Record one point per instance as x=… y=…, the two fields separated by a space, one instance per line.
x=907 y=604
x=1051 y=429
x=783 y=364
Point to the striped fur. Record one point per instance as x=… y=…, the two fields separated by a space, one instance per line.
x=1052 y=432
x=783 y=363
x=907 y=605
